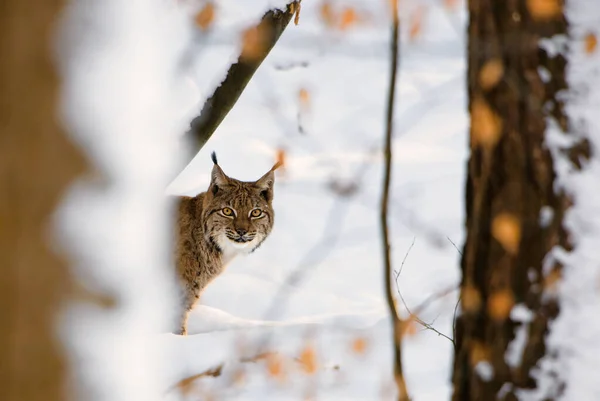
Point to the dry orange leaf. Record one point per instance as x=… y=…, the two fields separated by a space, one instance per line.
x=451 y=4
x=591 y=42
x=506 y=229
x=275 y=366
x=327 y=14
x=552 y=279
x=416 y=23
x=479 y=353
x=409 y=327
x=500 y=304
x=238 y=377
x=491 y=73
x=304 y=97
x=544 y=9
x=253 y=43
x=394 y=7
x=486 y=126
x=296 y=7
x=206 y=16
x=470 y=298
x=308 y=360
x=348 y=18
x=359 y=345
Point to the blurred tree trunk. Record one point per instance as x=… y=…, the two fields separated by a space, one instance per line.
x=513 y=212
x=37 y=163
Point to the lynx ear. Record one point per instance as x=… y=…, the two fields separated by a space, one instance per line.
x=265 y=183
x=217 y=177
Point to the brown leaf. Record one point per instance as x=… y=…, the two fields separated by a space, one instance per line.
x=544 y=9
x=253 y=43
x=591 y=42
x=238 y=377
x=451 y=4
x=491 y=73
x=304 y=98
x=187 y=385
x=409 y=327
x=328 y=14
x=275 y=366
x=479 y=352
x=393 y=4
x=506 y=229
x=359 y=345
x=416 y=23
x=348 y=18
x=206 y=16
x=296 y=7
x=470 y=299
x=308 y=360
x=500 y=304
x=552 y=279
x=486 y=126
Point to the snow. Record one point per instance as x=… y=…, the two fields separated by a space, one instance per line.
x=521 y=315
x=317 y=282
x=573 y=341
x=318 y=278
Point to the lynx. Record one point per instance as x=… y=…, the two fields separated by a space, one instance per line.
x=231 y=218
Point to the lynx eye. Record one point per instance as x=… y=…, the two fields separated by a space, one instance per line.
x=227 y=211
x=256 y=213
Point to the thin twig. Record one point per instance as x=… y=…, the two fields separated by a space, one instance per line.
x=405 y=256
x=396 y=322
x=454 y=318
x=459 y=298
x=416 y=318
x=455 y=247
x=415 y=315
x=434 y=297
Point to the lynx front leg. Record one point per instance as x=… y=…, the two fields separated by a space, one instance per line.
x=183 y=325
x=189 y=303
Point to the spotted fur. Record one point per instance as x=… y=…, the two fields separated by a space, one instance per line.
x=208 y=238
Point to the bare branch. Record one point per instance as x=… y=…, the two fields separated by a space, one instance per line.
x=396 y=322
x=186 y=384
x=226 y=95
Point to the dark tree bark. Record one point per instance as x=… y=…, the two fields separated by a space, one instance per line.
x=37 y=163
x=509 y=191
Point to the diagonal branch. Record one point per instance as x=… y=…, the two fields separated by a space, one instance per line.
x=396 y=322
x=217 y=106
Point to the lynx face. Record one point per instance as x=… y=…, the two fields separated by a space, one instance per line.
x=238 y=216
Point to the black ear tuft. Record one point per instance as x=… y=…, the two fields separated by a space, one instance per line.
x=213 y=156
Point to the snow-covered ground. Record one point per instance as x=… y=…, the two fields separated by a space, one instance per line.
x=332 y=310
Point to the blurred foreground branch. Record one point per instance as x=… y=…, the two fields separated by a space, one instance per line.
x=396 y=322
x=258 y=42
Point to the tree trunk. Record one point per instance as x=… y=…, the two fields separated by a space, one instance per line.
x=37 y=162
x=514 y=214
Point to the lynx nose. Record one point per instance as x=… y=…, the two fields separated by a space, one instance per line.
x=241 y=232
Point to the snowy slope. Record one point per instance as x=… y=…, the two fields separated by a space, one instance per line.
x=330 y=238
